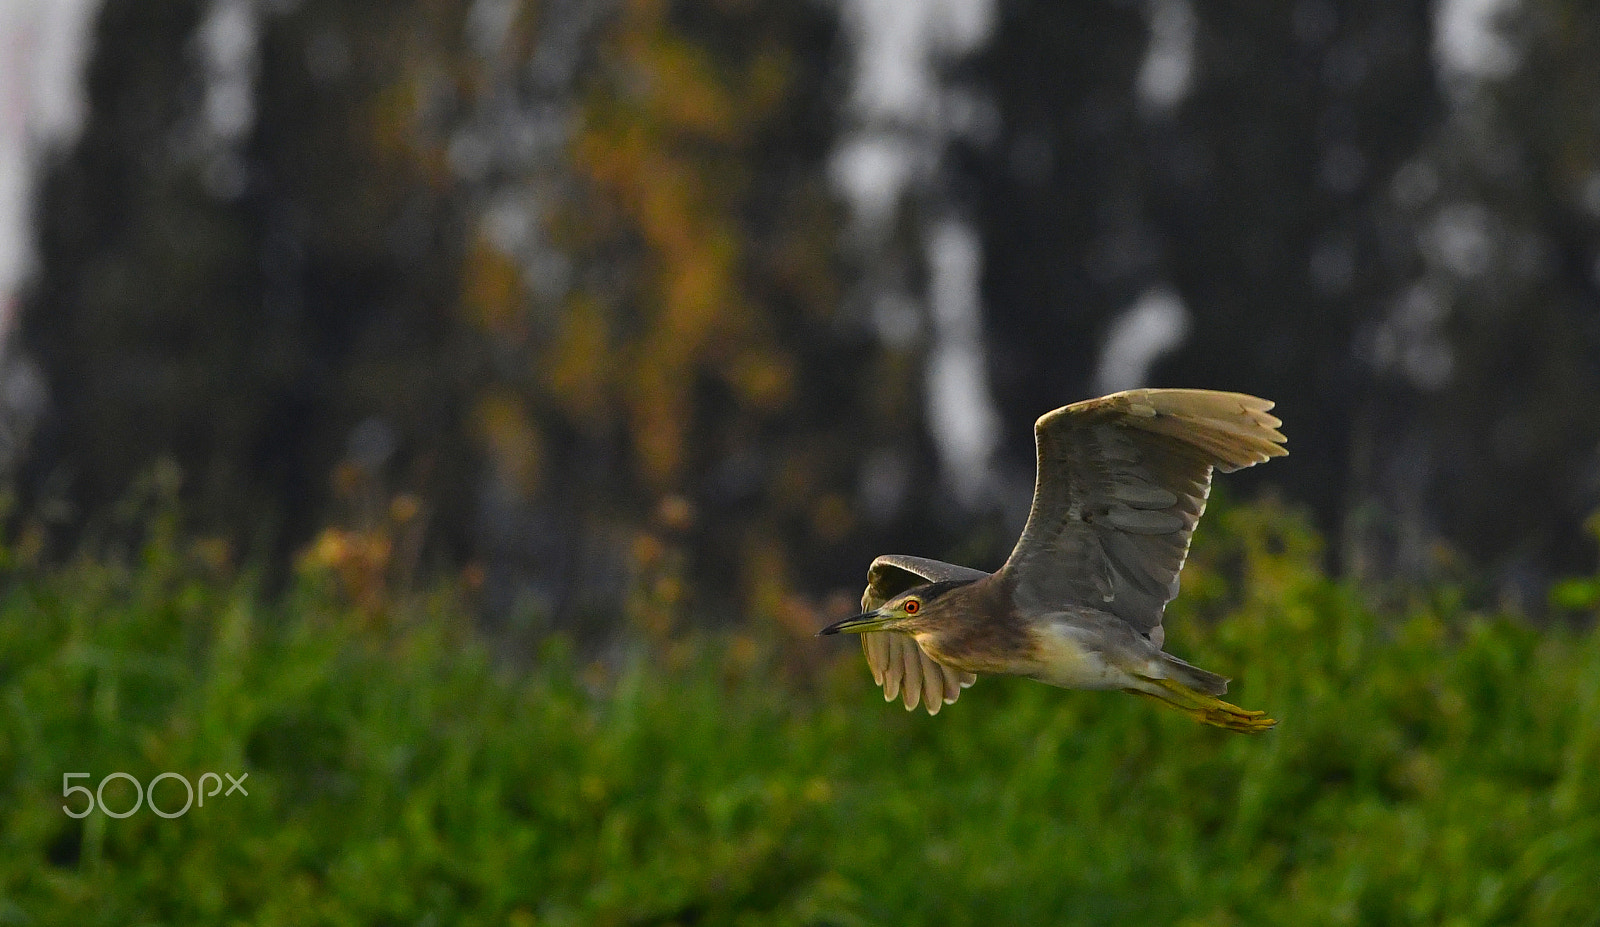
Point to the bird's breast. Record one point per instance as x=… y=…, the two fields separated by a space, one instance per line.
x=986 y=648
x=966 y=654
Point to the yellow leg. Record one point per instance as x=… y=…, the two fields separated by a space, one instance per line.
x=1207 y=709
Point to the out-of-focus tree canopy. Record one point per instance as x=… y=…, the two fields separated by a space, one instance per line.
x=570 y=293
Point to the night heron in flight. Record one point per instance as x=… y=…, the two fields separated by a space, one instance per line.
x=1121 y=482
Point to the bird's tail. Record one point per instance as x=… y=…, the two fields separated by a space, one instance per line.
x=1193 y=676
x=1194 y=692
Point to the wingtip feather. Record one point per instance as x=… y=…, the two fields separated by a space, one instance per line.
x=1232 y=428
x=911 y=686
x=910 y=676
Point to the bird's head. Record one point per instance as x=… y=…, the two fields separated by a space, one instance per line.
x=915 y=609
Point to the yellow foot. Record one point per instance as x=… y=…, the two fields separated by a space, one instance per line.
x=1207 y=709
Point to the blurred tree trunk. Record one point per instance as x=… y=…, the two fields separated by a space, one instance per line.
x=1254 y=184
x=244 y=272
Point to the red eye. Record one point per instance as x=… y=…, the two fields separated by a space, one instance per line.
x=911 y=606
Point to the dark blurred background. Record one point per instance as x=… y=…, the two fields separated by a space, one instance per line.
x=681 y=311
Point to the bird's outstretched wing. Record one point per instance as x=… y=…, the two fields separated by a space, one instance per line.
x=897 y=663
x=1122 y=481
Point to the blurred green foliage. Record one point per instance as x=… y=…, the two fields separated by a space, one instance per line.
x=1433 y=766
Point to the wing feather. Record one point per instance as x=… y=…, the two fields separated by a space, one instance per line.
x=898 y=664
x=911 y=655
x=894 y=666
x=1122 y=481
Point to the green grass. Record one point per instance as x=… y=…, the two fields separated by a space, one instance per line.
x=1432 y=766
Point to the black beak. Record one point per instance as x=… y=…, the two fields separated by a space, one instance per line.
x=867 y=621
